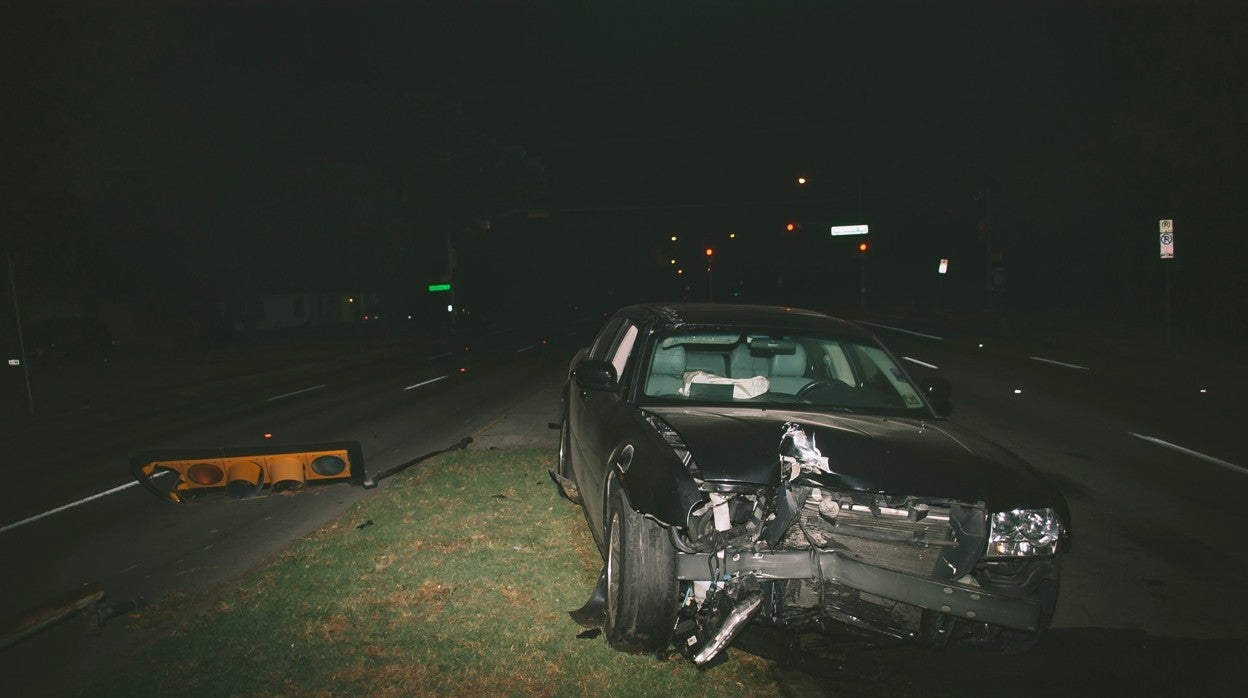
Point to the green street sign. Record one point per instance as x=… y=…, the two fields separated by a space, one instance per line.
x=438 y=288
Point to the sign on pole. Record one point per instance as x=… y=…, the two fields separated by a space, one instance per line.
x=1167 y=238
x=850 y=229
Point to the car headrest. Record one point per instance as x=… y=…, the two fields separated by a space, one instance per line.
x=789 y=364
x=669 y=361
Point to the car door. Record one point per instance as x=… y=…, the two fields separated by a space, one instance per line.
x=598 y=420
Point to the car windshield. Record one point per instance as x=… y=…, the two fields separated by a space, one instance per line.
x=776 y=370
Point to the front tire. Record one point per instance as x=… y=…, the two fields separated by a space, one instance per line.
x=642 y=588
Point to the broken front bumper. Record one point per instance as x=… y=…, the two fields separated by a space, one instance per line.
x=959 y=600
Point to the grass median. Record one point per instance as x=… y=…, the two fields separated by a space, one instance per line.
x=459 y=586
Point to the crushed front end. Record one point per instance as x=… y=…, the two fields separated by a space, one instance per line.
x=812 y=553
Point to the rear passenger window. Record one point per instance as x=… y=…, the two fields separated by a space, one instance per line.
x=836 y=364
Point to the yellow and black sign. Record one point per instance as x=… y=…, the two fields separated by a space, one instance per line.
x=246 y=472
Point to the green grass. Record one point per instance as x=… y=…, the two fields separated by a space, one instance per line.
x=459 y=587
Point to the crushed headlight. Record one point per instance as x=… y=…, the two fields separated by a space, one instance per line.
x=1023 y=533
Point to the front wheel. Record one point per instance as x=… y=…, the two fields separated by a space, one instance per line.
x=642 y=589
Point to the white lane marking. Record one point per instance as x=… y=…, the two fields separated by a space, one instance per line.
x=439 y=356
x=1058 y=363
x=297 y=392
x=71 y=505
x=921 y=363
x=524 y=349
x=1190 y=452
x=431 y=380
x=898 y=329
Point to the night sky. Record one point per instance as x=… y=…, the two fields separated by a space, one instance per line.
x=177 y=155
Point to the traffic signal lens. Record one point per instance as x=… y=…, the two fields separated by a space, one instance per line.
x=790 y=227
x=286 y=472
x=328 y=466
x=862 y=247
x=205 y=474
x=709 y=252
x=244 y=478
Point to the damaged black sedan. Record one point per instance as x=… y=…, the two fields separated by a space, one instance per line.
x=742 y=464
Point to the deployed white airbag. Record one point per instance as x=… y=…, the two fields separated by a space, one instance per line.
x=742 y=388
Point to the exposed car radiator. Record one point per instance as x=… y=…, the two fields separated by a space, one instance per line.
x=912 y=540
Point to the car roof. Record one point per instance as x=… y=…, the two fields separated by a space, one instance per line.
x=675 y=315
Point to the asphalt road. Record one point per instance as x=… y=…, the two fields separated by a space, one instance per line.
x=1146 y=448
x=69 y=524
x=1154 y=472
x=1152 y=595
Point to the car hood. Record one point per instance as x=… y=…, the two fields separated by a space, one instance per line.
x=896 y=456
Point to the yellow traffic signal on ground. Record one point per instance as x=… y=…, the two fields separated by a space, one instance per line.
x=243 y=472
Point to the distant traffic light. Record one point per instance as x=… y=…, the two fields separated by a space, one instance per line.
x=245 y=472
x=862 y=247
x=709 y=252
x=790 y=227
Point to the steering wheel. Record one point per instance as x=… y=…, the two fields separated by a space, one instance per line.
x=805 y=391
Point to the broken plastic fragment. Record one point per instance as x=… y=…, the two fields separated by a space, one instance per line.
x=799 y=454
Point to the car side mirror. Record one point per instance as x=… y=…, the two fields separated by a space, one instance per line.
x=592 y=374
x=939 y=392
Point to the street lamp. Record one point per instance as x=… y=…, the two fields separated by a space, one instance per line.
x=862 y=273
x=710 y=282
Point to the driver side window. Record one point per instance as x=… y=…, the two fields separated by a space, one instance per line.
x=615 y=343
x=605 y=341
x=622 y=351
